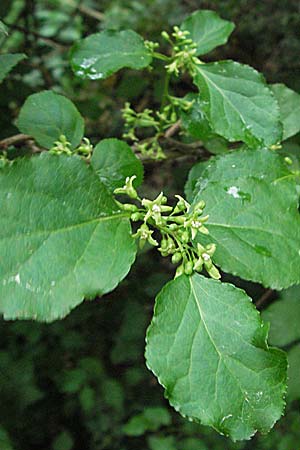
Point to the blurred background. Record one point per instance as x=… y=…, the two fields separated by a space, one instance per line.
x=81 y=383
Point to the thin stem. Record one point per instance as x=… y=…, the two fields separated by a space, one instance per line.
x=261 y=302
x=165 y=94
x=17 y=139
x=161 y=56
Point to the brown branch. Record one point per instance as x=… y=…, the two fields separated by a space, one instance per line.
x=264 y=299
x=90 y=12
x=12 y=140
x=173 y=129
x=51 y=42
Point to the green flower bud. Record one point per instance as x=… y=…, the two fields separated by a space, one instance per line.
x=130 y=207
x=179 y=271
x=211 y=248
x=198 y=264
x=136 y=216
x=180 y=219
x=185 y=237
x=200 y=205
x=203 y=230
x=214 y=273
x=176 y=258
x=165 y=35
x=188 y=268
x=164 y=244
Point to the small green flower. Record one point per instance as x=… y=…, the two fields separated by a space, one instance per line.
x=144 y=234
x=155 y=208
x=61 y=146
x=128 y=188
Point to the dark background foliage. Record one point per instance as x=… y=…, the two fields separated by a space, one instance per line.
x=82 y=383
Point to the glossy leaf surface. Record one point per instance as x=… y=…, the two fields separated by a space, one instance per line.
x=62 y=237
x=114 y=161
x=207 y=346
x=208 y=30
x=101 y=54
x=238 y=104
x=252 y=202
x=47 y=115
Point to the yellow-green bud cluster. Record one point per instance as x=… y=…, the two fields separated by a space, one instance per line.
x=184 y=52
x=63 y=146
x=159 y=121
x=177 y=227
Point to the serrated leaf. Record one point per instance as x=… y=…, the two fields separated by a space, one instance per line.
x=252 y=202
x=47 y=115
x=114 y=161
x=207 y=30
x=207 y=346
x=190 y=188
x=284 y=317
x=289 y=105
x=100 y=55
x=62 y=237
x=194 y=120
x=238 y=104
x=8 y=62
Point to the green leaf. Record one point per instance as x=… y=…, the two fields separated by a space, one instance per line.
x=151 y=419
x=7 y=62
x=114 y=161
x=289 y=105
x=3 y=28
x=62 y=237
x=207 y=30
x=129 y=339
x=252 y=202
x=100 y=55
x=190 y=188
x=47 y=115
x=238 y=104
x=284 y=317
x=64 y=441
x=293 y=373
x=194 y=120
x=5 y=442
x=207 y=346
x=162 y=443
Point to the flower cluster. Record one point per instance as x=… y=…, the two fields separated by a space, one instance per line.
x=176 y=227
x=159 y=121
x=63 y=146
x=184 y=52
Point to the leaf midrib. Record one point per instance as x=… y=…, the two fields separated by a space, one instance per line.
x=69 y=227
x=221 y=357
